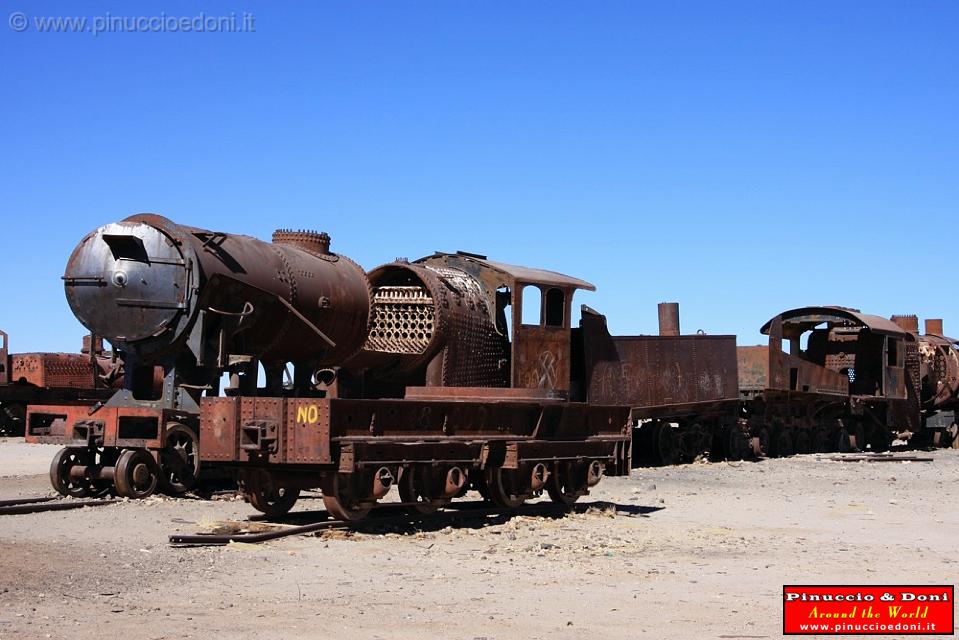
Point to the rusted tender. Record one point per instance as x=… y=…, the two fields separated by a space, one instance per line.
x=681 y=389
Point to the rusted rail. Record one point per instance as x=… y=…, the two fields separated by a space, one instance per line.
x=42 y=504
x=456 y=511
x=880 y=458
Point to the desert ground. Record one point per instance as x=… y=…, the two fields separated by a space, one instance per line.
x=694 y=551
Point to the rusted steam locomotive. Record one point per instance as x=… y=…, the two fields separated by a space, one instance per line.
x=425 y=375
x=835 y=379
x=421 y=374
x=43 y=378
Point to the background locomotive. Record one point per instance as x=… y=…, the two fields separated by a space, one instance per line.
x=43 y=378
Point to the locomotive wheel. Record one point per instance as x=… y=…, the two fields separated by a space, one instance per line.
x=414 y=488
x=860 y=434
x=803 y=442
x=60 y=478
x=666 y=444
x=342 y=498
x=784 y=443
x=180 y=459
x=736 y=444
x=478 y=482
x=763 y=439
x=136 y=474
x=953 y=436
x=821 y=441
x=566 y=483
x=268 y=496
x=505 y=487
x=881 y=439
x=842 y=441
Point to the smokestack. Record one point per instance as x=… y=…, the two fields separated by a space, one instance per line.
x=669 y=318
x=934 y=326
x=907 y=323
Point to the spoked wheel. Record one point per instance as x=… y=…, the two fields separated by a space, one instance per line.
x=566 y=483
x=343 y=498
x=736 y=444
x=418 y=487
x=666 y=444
x=60 y=477
x=506 y=487
x=180 y=459
x=761 y=442
x=136 y=474
x=268 y=495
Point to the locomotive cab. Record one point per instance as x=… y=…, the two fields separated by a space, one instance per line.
x=846 y=353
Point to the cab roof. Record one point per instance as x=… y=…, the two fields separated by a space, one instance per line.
x=806 y=318
x=510 y=274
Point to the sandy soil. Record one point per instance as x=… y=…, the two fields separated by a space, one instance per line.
x=698 y=551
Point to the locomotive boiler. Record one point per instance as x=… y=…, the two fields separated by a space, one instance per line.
x=193 y=303
x=937 y=382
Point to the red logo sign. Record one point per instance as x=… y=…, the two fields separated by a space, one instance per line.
x=867 y=610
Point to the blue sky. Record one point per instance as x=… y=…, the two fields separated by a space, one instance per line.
x=740 y=157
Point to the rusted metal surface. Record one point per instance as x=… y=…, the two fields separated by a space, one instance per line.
x=753 y=368
x=881 y=459
x=305 y=431
x=64 y=370
x=847 y=353
x=4 y=358
x=669 y=319
x=655 y=371
x=907 y=322
x=809 y=317
x=934 y=370
x=44 y=505
x=38 y=378
x=933 y=326
x=539 y=356
x=144 y=284
x=487 y=394
x=435 y=323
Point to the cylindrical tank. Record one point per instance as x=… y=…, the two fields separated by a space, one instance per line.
x=669 y=318
x=906 y=322
x=143 y=283
x=934 y=326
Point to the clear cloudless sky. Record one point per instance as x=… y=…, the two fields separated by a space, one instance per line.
x=741 y=158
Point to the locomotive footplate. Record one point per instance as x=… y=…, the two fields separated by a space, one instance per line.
x=433 y=450
x=133 y=451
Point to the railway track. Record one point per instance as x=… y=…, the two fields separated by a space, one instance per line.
x=43 y=504
x=391 y=515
